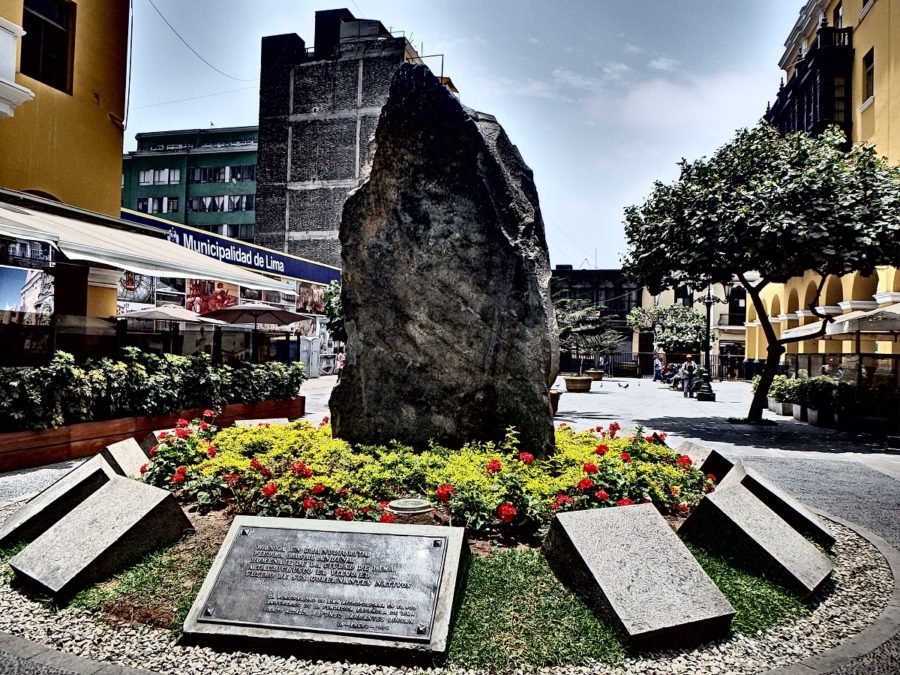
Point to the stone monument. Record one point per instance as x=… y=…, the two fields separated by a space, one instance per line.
x=445 y=282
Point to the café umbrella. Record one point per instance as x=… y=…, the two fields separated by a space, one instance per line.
x=168 y=313
x=255 y=313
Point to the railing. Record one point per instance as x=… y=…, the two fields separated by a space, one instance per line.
x=640 y=364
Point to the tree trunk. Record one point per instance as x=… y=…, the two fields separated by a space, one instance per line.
x=760 y=398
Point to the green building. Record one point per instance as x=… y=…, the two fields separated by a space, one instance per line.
x=205 y=178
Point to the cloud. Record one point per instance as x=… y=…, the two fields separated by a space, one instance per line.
x=632 y=49
x=533 y=40
x=528 y=88
x=615 y=71
x=573 y=80
x=663 y=63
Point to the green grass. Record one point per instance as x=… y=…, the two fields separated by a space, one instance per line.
x=6 y=573
x=515 y=613
x=760 y=603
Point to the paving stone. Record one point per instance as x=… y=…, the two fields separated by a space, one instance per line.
x=261 y=422
x=636 y=571
x=125 y=457
x=733 y=521
x=115 y=526
x=706 y=459
x=46 y=508
x=791 y=510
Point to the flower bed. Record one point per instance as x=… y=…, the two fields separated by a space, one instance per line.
x=301 y=470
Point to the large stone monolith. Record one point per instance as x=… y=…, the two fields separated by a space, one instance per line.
x=445 y=282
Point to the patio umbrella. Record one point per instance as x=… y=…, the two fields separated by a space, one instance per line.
x=255 y=313
x=168 y=313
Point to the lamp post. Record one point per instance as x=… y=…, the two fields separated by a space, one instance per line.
x=704 y=390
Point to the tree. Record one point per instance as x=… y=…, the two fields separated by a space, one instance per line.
x=583 y=329
x=675 y=328
x=772 y=205
x=334 y=312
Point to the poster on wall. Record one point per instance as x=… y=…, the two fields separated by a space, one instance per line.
x=306 y=328
x=26 y=296
x=250 y=294
x=169 y=299
x=135 y=288
x=204 y=295
x=310 y=298
x=170 y=285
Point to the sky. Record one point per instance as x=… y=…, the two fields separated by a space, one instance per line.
x=602 y=97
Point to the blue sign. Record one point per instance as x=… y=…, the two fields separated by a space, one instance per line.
x=242 y=254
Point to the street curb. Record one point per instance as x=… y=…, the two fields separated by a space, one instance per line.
x=882 y=629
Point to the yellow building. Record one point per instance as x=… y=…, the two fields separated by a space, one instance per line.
x=842 y=66
x=62 y=99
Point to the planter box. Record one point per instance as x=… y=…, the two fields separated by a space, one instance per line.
x=820 y=417
x=798 y=411
x=23 y=449
x=554 y=400
x=580 y=383
x=779 y=408
x=596 y=374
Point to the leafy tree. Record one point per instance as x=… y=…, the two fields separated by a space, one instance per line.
x=582 y=327
x=773 y=205
x=675 y=328
x=334 y=312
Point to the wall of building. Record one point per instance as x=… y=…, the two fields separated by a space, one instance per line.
x=318 y=113
x=69 y=145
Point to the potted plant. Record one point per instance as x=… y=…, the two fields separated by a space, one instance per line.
x=779 y=391
x=583 y=330
x=799 y=397
x=578 y=383
x=820 y=405
x=554 y=399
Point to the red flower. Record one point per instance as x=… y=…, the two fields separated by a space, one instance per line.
x=183 y=433
x=444 y=492
x=589 y=467
x=203 y=426
x=163 y=436
x=178 y=478
x=318 y=489
x=254 y=463
x=649 y=439
x=342 y=492
x=365 y=510
x=143 y=468
x=526 y=457
x=624 y=502
x=708 y=488
x=684 y=461
x=301 y=470
x=662 y=437
x=602 y=449
x=383 y=504
x=598 y=429
x=386 y=518
x=211 y=451
x=563 y=425
x=347 y=514
x=564 y=499
x=585 y=484
x=269 y=489
x=626 y=457
x=309 y=503
x=614 y=427
x=683 y=508
x=711 y=477
x=674 y=490
x=493 y=467
x=182 y=423
x=324 y=421
x=232 y=479
x=153 y=450
x=209 y=413
x=602 y=495
x=264 y=425
x=507 y=512
x=181 y=469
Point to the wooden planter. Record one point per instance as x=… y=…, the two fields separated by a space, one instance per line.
x=578 y=383
x=23 y=449
x=554 y=399
x=596 y=374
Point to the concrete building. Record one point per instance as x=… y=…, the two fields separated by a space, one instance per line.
x=318 y=109
x=64 y=143
x=205 y=178
x=842 y=63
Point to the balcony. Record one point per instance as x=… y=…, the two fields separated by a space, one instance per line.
x=819 y=92
x=732 y=319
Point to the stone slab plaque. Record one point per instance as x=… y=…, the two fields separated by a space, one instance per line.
x=115 y=526
x=321 y=583
x=790 y=509
x=706 y=459
x=46 y=508
x=734 y=521
x=152 y=438
x=268 y=421
x=635 y=570
x=125 y=457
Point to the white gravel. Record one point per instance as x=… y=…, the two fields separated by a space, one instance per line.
x=862 y=586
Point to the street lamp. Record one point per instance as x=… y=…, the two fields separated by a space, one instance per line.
x=704 y=390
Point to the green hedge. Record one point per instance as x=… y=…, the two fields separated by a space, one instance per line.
x=140 y=384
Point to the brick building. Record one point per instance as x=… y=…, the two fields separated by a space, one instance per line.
x=318 y=109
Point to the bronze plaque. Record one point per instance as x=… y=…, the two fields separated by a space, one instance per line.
x=369 y=584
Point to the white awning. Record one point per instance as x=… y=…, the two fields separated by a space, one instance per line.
x=125 y=250
x=882 y=320
x=803 y=331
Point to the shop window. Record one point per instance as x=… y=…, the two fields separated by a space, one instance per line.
x=869 y=75
x=48 y=42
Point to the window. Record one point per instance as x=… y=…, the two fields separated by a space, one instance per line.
x=145 y=177
x=239 y=174
x=869 y=75
x=172 y=205
x=840 y=99
x=47 y=44
x=174 y=176
x=241 y=202
x=161 y=176
x=208 y=174
x=142 y=204
x=837 y=16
